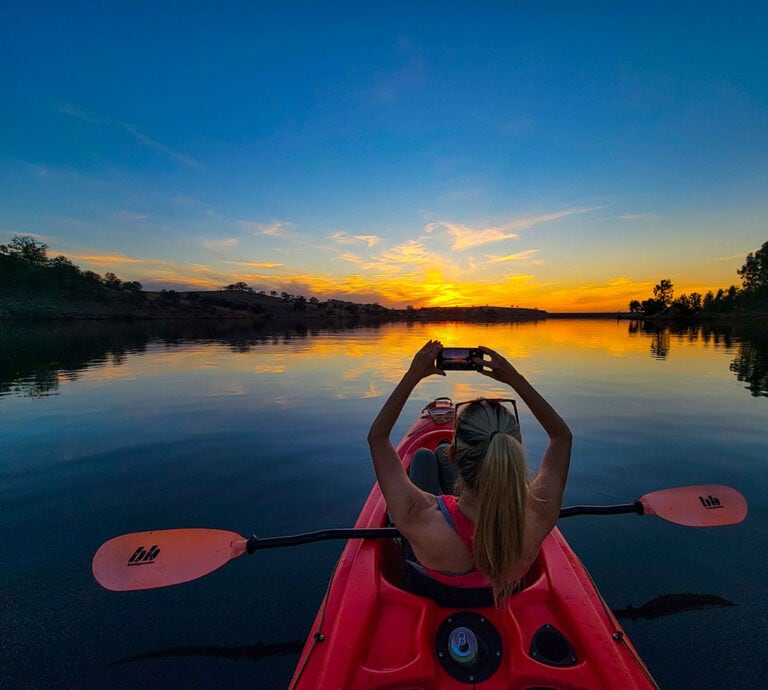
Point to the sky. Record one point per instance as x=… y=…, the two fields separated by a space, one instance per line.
x=564 y=156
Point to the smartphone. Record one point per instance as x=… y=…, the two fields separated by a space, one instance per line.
x=459 y=358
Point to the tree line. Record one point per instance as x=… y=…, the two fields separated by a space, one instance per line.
x=24 y=264
x=26 y=269
x=750 y=297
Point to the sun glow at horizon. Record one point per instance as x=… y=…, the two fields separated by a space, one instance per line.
x=420 y=272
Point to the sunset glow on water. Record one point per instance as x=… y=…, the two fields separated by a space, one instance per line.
x=264 y=432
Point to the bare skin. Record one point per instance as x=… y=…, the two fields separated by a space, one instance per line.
x=415 y=512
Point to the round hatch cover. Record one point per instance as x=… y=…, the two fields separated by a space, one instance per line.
x=468 y=647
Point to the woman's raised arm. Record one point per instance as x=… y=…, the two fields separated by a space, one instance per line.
x=399 y=492
x=553 y=472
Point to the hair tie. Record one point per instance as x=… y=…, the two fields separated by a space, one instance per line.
x=490 y=438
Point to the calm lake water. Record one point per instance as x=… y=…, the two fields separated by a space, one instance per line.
x=106 y=430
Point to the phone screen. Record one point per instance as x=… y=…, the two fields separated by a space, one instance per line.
x=455 y=353
x=458 y=358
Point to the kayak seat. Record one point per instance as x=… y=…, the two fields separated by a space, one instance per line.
x=416 y=581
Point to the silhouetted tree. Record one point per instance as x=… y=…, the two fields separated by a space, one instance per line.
x=754 y=277
x=27 y=249
x=112 y=281
x=240 y=287
x=664 y=293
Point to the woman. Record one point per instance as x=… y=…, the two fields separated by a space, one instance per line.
x=508 y=515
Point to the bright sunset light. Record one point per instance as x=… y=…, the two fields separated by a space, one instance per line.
x=456 y=154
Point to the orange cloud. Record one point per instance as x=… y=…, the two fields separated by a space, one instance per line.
x=253 y=264
x=410 y=252
x=465 y=237
x=105 y=259
x=520 y=256
x=185 y=283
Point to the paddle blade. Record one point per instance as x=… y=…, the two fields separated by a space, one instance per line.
x=144 y=560
x=708 y=505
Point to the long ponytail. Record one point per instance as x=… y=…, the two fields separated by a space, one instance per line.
x=502 y=486
x=491 y=462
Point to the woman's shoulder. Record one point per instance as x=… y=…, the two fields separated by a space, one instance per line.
x=541 y=516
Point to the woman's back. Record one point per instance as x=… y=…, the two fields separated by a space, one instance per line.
x=511 y=515
x=438 y=546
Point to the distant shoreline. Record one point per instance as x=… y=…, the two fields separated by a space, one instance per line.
x=260 y=309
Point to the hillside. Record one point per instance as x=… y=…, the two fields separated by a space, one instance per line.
x=32 y=286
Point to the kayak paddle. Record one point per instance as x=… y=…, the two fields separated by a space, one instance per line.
x=145 y=560
x=707 y=505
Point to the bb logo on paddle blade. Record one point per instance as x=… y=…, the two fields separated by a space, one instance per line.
x=710 y=502
x=143 y=556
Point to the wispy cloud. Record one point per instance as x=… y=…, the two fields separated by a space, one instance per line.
x=219 y=245
x=74 y=111
x=410 y=252
x=142 y=138
x=201 y=268
x=717 y=259
x=465 y=237
x=162 y=148
x=346 y=238
x=376 y=265
x=527 y=255
x=351 y=258
x=274 y=228
x=254 y=264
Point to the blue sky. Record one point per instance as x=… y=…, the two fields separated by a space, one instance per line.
x=423 y=153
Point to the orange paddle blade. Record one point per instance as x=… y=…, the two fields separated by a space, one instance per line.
x=144 y=560
x=707 y=505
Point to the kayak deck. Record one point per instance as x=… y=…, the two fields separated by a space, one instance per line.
x=371 y=633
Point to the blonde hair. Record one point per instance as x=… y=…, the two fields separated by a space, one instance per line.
x=491 y=461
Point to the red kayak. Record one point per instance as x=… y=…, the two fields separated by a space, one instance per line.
x=372 y=632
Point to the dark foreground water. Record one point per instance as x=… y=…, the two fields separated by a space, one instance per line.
x=112 y=429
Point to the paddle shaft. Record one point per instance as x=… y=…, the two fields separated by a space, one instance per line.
x=258 y=543
x=620 y=509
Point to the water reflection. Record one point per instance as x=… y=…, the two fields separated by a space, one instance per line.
x=169 y=425
x=35 y=359
x=751 y=364
x=671 y=604
x=749 y=343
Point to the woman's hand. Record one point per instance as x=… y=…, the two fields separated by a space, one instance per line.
x=423 y=363
x=497 y=366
